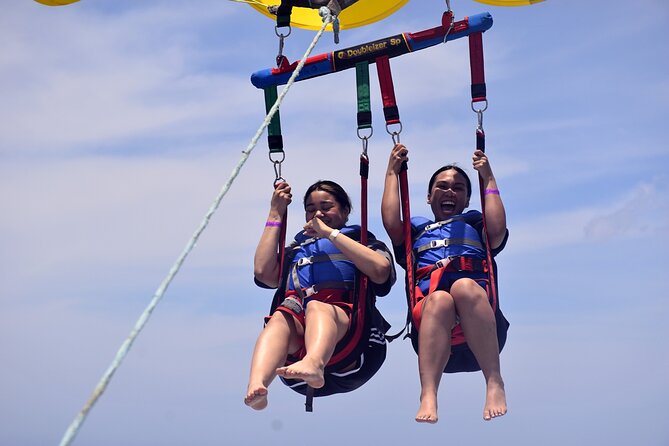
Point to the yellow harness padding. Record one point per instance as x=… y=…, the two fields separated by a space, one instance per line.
x=361 y=13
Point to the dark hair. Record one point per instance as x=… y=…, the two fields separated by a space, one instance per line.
x=433 y=178
x=332 y=188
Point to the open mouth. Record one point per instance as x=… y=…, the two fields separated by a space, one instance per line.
x=448 y=205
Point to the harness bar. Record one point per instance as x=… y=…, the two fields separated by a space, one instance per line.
x=393 y=46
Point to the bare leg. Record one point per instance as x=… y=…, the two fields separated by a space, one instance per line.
x=278 y=338
x=434 y=349
x=325 y=325
x=478 y=324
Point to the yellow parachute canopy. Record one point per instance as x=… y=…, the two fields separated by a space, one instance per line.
x=56 y=2
x=361 y=13
x=509 y=2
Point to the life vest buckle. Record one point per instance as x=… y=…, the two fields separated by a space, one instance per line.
x=305 y=261
x=443 y=263
x=438 y=243
x=308 y=292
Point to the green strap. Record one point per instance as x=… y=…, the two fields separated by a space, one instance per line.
x=364 y=107
x=274 y=138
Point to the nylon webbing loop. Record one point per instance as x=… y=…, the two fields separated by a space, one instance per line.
x=479 y=95
x=364 y=107
x=274 y=138
x=408 y=246
x=390 y=110
x=309 y=403
x=476 y=65
x=283 y=13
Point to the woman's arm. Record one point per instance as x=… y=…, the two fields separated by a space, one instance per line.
x=390 y=203
x=495 y=215
x=369 y=262
x=266 y=261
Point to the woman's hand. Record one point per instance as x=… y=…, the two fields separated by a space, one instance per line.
x=316 y=228
x=281 y=198
x=398 y=156
x=481 y=164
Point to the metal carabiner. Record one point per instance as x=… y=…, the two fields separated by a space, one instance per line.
x=480 y=110
x=479 y=119
x=280 y=57
x=394 y=135
x=365 y=140
x=277 y=167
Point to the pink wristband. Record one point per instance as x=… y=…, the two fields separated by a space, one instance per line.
x=491 y=192
x=272 y=224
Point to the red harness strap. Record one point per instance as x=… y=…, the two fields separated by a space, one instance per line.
x=391 y=113
x=390 y=110
x=476 y=66
x=479 y=95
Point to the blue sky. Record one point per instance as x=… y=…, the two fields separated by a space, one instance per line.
x=120 y=121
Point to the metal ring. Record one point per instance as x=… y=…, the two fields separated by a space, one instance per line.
x=276 y=31
x=394 y=133
x=485 y=101
x=283 y=157
x=371 y=132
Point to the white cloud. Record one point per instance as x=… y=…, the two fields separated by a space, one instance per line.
x=643 y=212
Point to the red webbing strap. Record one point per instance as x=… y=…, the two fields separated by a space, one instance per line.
x=476 y=65
x=282 y=241
x=408 y=244
x=479 y=95
x=364 y=175
x=360 y=294
x=390 y=110
x=282 y=245
x=488 y=252
x=361 y=298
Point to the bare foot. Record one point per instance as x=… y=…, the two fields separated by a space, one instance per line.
x=305 y=370
x=256 y=397
x=495 y=401
x=427 y=412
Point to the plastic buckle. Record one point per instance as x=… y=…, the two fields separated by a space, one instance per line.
x=305 y=261
x=437 y=244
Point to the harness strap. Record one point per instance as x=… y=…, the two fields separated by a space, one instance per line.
x=390 y=110
x=453 y=264
x=274 y=138
x=438 y=225
x=434 y=244
x=479 y=95
x=310 y=291
x=283 y=13
x=364 y=103
x=319 y=259
x=476 y=65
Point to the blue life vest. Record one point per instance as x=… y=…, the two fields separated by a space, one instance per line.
x=437 y=241
x=318 y=263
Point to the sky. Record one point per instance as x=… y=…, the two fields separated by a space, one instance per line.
x=120 y=121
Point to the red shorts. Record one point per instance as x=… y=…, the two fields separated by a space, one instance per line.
x=294 y=306
x=417 y=310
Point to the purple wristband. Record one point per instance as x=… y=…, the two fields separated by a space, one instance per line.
x=491 y=192
x=272 y=224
